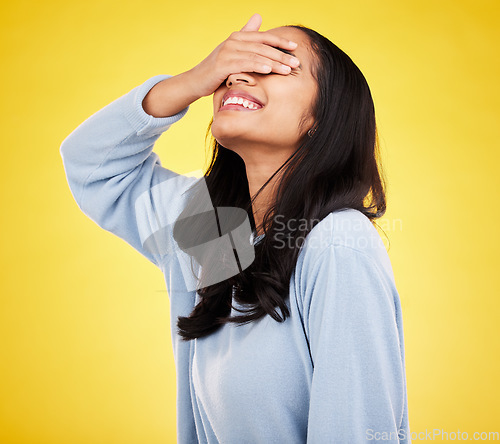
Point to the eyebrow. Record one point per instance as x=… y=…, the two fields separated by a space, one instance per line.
x=290 y=53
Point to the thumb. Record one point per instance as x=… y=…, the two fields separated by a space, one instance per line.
x=253 y=24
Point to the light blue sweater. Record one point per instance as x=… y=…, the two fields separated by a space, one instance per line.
x=333 y=372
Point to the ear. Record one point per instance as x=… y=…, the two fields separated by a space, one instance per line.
x=310 y=124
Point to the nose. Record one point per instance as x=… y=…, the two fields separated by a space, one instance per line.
x=242 y=77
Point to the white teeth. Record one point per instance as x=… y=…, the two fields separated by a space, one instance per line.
x=240 y=101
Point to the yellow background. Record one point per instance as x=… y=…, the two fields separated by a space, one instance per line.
x=86 y=355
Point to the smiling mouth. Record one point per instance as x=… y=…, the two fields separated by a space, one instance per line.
x=236 y=107
x=238 y=103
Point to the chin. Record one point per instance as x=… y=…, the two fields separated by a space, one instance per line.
x=228 y=142
x=225 y=134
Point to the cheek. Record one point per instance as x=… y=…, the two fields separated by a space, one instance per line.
x=287 y=115
x=215 y=103
x=217 y=97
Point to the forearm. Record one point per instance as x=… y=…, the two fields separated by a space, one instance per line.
x=170 y=96
x=111 y=167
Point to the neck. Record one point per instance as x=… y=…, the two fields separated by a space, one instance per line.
x=257 y=175
x=260 y=164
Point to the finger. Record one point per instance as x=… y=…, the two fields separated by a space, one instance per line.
x=264 y=37
x=273 y=54
x=253 y=24
x=259 y=64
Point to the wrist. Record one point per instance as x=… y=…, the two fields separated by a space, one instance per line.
x=193 y=80
x=170 y=96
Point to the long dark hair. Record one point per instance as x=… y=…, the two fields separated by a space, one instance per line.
x=336 y=168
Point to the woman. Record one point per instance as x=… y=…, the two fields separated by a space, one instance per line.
x=318 y=354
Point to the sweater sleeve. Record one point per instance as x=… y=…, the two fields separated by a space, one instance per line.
x=354 y=327
x=114 y=175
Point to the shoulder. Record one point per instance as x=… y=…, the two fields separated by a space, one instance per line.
x=348 y=235
x=347 y=228
x=343 y=261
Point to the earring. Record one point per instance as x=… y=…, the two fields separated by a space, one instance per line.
x=311 y=132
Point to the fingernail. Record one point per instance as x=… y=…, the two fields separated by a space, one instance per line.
x=293 y=44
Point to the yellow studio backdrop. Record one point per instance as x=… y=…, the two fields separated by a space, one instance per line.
x=86 y=355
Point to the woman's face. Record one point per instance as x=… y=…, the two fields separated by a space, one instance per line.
x=286 y=99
